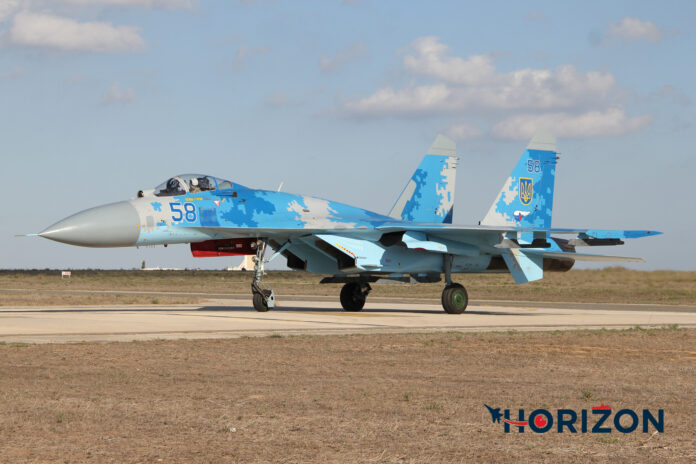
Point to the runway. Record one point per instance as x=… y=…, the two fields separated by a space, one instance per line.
x=228 y=318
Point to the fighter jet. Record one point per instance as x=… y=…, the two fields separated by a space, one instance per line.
x=414 y=242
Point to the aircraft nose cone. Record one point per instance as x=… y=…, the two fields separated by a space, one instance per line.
x=110 y=225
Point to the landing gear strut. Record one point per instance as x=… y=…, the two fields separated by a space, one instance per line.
x=454 y=296
x=263 y=299
x=353 y=295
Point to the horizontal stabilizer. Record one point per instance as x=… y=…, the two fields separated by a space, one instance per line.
x=524 y=267
x=600 y=234
x=582 y=256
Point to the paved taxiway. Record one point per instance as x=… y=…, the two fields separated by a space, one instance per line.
x=235 y=318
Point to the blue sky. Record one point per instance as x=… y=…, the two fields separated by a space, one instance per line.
x=101 y=98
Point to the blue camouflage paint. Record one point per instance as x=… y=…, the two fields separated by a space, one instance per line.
x=416 y=206
x=208 y=216
x=534 y=174
x=429 y=194
x=244 y=208
x=423 y=214
x=248 y=210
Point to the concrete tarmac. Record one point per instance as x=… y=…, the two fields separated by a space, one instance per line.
x=229 y=318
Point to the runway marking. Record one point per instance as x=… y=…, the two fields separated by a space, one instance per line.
x=275 y=319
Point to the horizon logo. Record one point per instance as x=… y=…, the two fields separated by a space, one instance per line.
x=542 y=420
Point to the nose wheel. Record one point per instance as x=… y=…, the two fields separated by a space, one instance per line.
x=454 y=299
x=263 y=299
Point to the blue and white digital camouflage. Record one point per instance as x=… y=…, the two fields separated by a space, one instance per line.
x=429 y=194
x=415 y=240
x=526 y=199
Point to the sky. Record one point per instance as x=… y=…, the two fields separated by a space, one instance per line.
x=341 y=99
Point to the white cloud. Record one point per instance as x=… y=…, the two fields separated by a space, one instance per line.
x=115 y=95
x=429 y=58
x=48 y=31
x=187 y=4
x=565 y=100
x=474 y=83
x=610 y=122
x=424 y=99
x=7 y=8
x=354 y=52
x=463 y=131
x=635 y=29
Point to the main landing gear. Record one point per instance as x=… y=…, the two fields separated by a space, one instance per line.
x=263 y=299
x=353 y=295
x=454 y=296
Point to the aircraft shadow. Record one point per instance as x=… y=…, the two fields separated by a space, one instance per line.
x=303 y=309
x=250 y=309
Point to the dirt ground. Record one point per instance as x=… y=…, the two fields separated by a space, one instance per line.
x=355 y=398
x=610 y=285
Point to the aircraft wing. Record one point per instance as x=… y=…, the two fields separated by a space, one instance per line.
x=359 y=249
x=495 y=235
x=454 y=231
x=523 y=249
x=449 y=230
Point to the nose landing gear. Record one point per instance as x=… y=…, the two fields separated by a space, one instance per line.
x=263 y=299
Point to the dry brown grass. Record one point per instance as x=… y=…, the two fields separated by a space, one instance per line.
x=90 y=299
x=610 y=285
x=356 y=398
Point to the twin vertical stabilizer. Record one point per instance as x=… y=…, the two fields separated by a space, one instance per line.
x=429 y=194
x=526 y=199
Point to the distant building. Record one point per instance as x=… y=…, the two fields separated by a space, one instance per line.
x=247 y=264
x=161 y=269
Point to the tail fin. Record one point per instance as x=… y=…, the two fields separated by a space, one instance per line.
x=429 y=195
x=526 y=199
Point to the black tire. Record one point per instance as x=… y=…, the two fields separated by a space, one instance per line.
x=454 y=299
x=445 y=293
x=351 y=297
x=259 y=303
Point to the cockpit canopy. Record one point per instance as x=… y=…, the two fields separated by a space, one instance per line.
x=190 y=183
